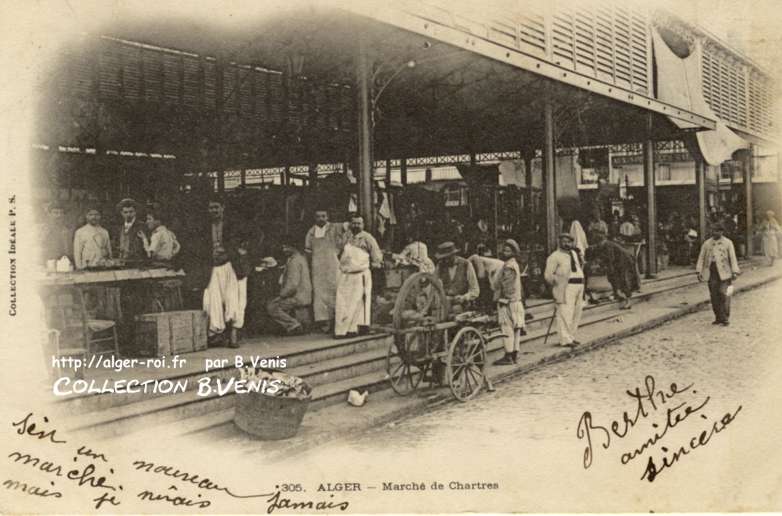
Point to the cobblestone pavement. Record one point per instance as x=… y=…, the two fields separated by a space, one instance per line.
x=524 y=436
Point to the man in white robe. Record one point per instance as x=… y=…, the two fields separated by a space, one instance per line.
x=354 y=288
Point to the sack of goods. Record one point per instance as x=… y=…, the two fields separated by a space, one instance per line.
x=273 y=406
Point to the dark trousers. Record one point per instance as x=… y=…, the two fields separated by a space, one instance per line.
x=280 y=310
x=720 y=302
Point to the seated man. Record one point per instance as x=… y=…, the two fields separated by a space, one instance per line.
x=296 y=291
x=457 y=276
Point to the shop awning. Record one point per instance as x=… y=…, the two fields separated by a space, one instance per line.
x=679 y=82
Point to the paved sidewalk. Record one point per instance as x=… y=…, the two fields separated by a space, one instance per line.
x=385 y=407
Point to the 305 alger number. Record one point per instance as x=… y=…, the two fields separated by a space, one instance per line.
x=290 y=488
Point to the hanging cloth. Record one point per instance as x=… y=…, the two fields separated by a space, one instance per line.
x=679 y=83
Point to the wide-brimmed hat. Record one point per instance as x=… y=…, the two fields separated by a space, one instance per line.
x=513 y=245
x=127 y=202
x=445 y=250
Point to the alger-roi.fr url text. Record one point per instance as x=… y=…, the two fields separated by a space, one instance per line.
x=12 y=255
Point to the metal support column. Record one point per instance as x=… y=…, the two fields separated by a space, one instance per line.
x=651 y=216
x=552 y=225
x=403 y=171
x=528 y=156
x=700 y=182
x=749 y=171
x=388 y=174
x=220 y=152
x=364 y=173
x=221 y=181
x=312 y=175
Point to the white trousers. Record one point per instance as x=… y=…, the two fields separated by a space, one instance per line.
x=511 y=318
x=225 y=299
x=569 y=312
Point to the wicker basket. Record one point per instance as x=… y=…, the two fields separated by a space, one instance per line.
x=270 y=417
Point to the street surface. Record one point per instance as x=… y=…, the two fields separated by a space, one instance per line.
x=524 y=436
x=518 y=449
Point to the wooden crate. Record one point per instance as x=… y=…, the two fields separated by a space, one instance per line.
x=171 y=333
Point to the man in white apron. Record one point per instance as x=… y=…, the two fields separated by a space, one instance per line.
x=354 y=286
x=323 y=243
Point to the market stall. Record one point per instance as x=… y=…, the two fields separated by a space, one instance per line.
x=94 y=310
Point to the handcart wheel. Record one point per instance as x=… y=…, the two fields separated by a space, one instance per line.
x=466 y=363
x=421 y=302
x=404 y=371
x=421 y=295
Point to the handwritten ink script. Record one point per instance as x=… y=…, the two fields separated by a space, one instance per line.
x=666 y=408
x=86 y=468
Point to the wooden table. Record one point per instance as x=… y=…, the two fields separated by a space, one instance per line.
x=52 y=284
x=99 y=277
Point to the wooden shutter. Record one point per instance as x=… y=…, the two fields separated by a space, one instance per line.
x=639 y=51
x=191 y=81
x=109 y=64
x=604 y=43
x=245 y=90
x=153 y=75
x=586 y=60
x=210 y=83
x=622 y=53
x=563 y=38
x=532 y=33
x=131 y=72
x=171 y=82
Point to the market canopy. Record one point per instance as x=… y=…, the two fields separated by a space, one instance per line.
x=276 y=87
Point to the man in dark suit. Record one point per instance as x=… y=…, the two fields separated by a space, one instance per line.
x=198 y=261
x=126 y=242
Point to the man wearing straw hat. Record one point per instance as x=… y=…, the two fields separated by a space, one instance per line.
x=457 y=276
x=510 y=309
x=127 y=241
x=565 y=273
